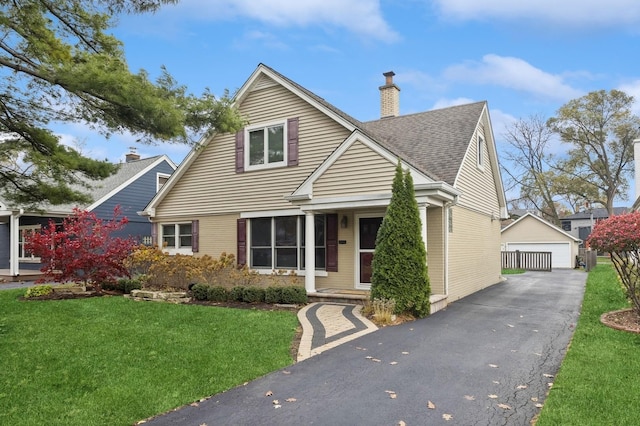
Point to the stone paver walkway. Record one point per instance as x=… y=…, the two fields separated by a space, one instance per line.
x=327 y=325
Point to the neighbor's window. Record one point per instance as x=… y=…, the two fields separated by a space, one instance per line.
x=278 y=242
x=23 y=253
x=266 y=146
x=162 y=179
x=176 y=235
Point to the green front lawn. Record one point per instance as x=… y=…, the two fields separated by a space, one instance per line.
x=112 y=361
x=513 y=271
x=598 y=381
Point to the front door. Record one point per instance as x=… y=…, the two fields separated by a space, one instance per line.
x=366 y=244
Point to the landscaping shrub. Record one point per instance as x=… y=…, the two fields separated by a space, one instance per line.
x=217 y=294
x=125 y=285
x=200 y=291
x=237 y=293
x=273 y=294
x=399 y=265
x=292 y=295
x=38 y=290
x=253 y=294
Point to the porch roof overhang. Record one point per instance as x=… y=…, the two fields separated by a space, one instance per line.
x=432 y=193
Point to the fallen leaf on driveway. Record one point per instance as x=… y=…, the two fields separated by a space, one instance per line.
x=504 y=406
x=269 y=393
x=534 y=399
x=470 y=397
x=291 y=400
x=277 y=406
x=405 y=353
x=375 y=360
x=496 y=382
x=492 y=396
x=393 y=362
x=538 y=405
x=286 y=372
x=510 y=326
x=368 y=357
x=431 y=405
x=550 y=384
x=548 y=375
x=393 y=396
x=493 y=366
x=194 y=404
x=447 y=417
x=276 y=402
x=521 y=387
x=401 y=423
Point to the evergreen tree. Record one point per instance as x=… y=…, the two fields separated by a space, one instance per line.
x=399 y=263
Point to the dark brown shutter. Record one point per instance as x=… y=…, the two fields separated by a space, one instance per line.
x=242 y=242
x=154 y=234
x=332 y=243
x=292 y=142
x=240 y=151
x=195 y=236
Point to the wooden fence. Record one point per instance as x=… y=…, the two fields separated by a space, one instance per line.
x=528 y=260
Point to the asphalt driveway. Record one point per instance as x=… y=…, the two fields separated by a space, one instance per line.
x=488 y=359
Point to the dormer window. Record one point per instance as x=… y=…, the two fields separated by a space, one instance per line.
x=266 y=146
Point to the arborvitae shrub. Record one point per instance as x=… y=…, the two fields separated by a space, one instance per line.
x=295 y=295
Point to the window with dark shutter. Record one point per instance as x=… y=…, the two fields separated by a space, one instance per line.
x=195 y=236
x=240 y=151
x=332 y=243
x=292 y=141
x=242 y=242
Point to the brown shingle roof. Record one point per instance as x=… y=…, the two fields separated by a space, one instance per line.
x=434 y=142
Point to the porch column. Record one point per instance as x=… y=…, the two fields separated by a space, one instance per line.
x=310 y=252
x=14 y=251
x=422 y=208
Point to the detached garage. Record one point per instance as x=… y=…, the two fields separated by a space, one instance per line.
x=531 y=233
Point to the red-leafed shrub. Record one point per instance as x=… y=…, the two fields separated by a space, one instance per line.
x=82 y=249
x=620 y=237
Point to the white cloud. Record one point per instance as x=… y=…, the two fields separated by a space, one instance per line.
x=362 y=17
x=573 y=13
x=633 y=89
x=512 y=73
x=444 y=103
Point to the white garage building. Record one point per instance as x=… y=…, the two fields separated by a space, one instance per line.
x=531 y=233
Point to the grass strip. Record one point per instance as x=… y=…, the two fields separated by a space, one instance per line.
x=110 y=360
x=598 y=380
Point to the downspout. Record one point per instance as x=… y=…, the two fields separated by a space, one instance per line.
x=445 y=227
x=14 y=239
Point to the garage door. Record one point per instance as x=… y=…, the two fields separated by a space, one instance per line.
x=560 y=252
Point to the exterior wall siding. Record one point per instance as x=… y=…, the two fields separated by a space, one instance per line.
x=211 y=186
x=477 y=185
x=365 y=171
x=531 y=230
x=435 y=250
x=474 y=253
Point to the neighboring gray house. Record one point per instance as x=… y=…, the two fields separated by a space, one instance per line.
x=134 y=184
x=580 y=224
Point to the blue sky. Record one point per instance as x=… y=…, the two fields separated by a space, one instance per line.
x=523 y=58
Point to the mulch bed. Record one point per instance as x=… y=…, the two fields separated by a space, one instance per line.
x=624 y=319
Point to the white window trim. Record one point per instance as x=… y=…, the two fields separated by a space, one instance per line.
x=21 y=257
x=175 y=249
x=249 y=129
x=480 y=157
x=158 y=176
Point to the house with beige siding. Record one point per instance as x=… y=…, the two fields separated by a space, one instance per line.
x=304 y=187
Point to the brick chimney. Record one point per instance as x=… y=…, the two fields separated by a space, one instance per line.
x=132 y=155
x=389 y=97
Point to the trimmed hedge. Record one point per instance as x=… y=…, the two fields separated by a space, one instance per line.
x=124 y=285
x=291 y=295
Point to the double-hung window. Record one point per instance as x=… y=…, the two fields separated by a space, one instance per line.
x=176 y=236
x=23 y=253
x=266 y=146
x=279 y=242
